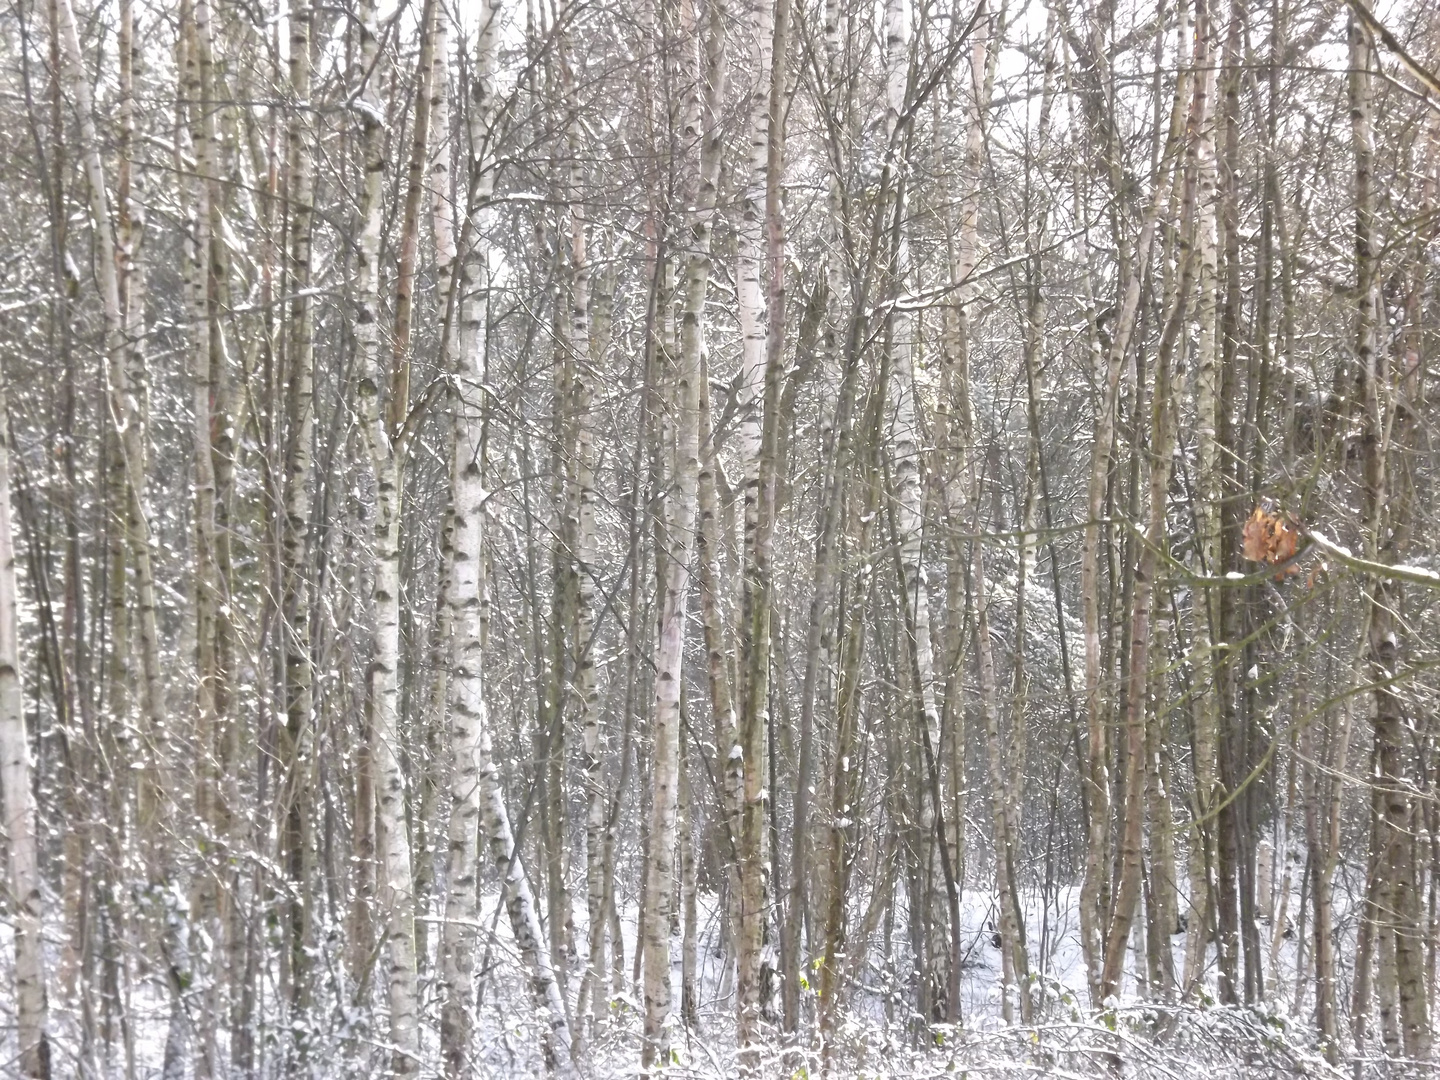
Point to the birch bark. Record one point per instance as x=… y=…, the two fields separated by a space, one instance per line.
x=837 y=404
x=1142 y=615
x=433 y=711
x=467 y=716
x=1401 y=984
x=125 y=390
x=17 y=804
x=581 y=503
x=1204 y=613
x=476 y=794
x=906 y=467
x=396 y=886
x=297 y=744
x=197 y=92
x=754 y=382
x=674 y=568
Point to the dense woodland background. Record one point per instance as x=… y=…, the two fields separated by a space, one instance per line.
x=795 y=537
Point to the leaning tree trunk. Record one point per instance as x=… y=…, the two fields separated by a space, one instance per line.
x=476 y=793
x=521 y=909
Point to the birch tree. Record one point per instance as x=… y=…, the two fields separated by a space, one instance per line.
x=31 y=1008
x=757 y=417
x=680 y=510
x=382 y=431
x=467 y=708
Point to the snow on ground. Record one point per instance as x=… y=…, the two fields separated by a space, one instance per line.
x=879 y=1039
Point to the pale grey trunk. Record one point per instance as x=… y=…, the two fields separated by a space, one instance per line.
x=396 y=885
x=678 y=535
x=297 y=749
x=476 y=794
x=1204 y=611
x=125 y=390
x=17 y=804
x=125 y=387
x=581 y=503
x=1095 y=887
x=432 y=715
x=908 y=479
x=196 y=83
x=753 y=719
x=520 y=907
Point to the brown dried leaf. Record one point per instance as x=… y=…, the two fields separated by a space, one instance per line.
x=1283 y=541
x=1255 y=535
x=1268 y=538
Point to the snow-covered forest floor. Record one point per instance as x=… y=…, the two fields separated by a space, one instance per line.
x=879 y=1039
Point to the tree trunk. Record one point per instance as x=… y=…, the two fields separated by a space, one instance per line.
x=1095 y=900
x=396 y=886
x=464 y=578
x=756 y=420
x=1162 y=440
x=1205 y=612
x=297 y=744
x=209 y=599
x=845 y=787
x=1401 y=985
x=585 y=357
x=31 y=1010
x=673 y=568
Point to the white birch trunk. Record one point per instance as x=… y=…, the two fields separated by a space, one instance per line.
x=584 y=366
x=674 y=566
x=196 y=91
x=475 y=792
x=751 y=307
x=906 y=467
x=679 y=530
x=396 y=885
x=297 y=756
x=749 y=283
x=442 y=221
x=17 y=804
x=1207 y=506
x=467 y=719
